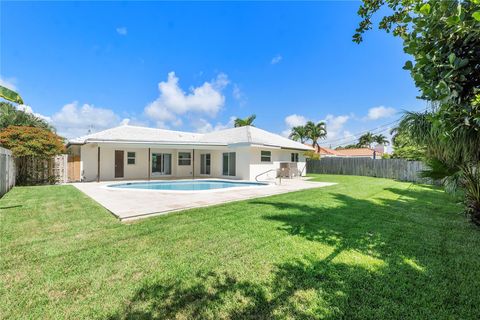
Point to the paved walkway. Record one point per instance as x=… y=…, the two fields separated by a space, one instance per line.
x=135 y=203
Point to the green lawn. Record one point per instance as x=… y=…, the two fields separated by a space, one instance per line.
x=365 y=248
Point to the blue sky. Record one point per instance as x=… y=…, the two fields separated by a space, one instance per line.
x=195 y=66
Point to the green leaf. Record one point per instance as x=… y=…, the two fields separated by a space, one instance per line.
x=453 y=20
x=408 y=65
x=476 y=15
x=425 y=9
x=10 y=95
x=451 y=57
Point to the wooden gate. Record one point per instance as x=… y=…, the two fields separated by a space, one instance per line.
x=73 y=168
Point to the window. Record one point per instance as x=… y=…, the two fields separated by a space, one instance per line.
x=266 y=156
x=205 y=163
x=130 y=157
x=184 y=158
x=228 y=164
x=294 y=157
x=161 y=164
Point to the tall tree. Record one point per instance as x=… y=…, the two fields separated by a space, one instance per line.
x=28 y=144
x=11 y=116
x=381 y=139
x=299 y=133
x=316 y=131
x=405 y=148
x=443 y=37
x=366 y=140
x=248 y=121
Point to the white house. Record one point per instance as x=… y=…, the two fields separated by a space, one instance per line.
x=131 y=152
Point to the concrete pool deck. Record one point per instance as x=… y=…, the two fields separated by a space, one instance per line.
x=131 y=204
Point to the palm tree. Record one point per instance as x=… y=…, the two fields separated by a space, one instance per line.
x=316 y=131
x=452 y=158
x=381 y=139
x=10 y=95
x=299 y=133
x=366 y=140
x=11 y=116
x=248 y=121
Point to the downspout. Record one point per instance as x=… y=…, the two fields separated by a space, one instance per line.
x=149 y=164
x=193 y=164
x=98 y=164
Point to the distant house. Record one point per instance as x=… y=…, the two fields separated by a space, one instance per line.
x=131 y=152
x=375 y=153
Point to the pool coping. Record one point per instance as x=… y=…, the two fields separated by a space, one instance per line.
x=128 y=206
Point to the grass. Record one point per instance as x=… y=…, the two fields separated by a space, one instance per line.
x=365 y=248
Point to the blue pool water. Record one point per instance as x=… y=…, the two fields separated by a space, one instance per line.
x=185 y=185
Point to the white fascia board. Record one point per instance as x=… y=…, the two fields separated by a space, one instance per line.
x=145 y=144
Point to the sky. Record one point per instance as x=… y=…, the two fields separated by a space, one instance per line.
x=89 y=66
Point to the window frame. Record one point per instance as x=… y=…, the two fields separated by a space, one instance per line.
x=264 y=157
x=130 y=157
x=184 y=161
x=294 y=157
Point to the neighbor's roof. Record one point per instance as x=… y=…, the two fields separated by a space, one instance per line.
x=242 y=135
x=325 y=151
x=356 y=152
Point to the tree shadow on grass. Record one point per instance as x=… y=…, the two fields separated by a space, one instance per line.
x=380 y=266
x=11 y=207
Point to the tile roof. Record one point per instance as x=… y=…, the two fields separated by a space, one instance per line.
x=356 y=152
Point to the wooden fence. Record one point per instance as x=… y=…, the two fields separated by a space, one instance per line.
x=7 y=171
x=35 y=171
x=398 y=169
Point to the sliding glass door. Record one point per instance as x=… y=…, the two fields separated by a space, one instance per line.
x=205 y=163
x=161 y=164
x=228 y=164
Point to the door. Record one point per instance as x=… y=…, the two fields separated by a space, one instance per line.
x=161 y=164
x=205 y=163
x=73 y=168
x=119 y=163
x=229 y=164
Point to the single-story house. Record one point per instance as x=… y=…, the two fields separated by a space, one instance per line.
x=375 y=153
x=132 y=152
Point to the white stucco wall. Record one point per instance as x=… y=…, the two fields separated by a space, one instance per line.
x=248 y=162
x=278 y=155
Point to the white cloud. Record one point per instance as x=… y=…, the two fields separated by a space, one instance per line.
x=291 y=121
x=335 y=124
x=380 y=112
x=28 y=109
x=276 y=59
x=238 y=94
x=203 y=126
x=172 y=102
x=8 y=83
x=122 y=31
x=294 y=120
x=74 y=120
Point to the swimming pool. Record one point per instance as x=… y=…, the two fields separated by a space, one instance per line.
x=185 y=185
